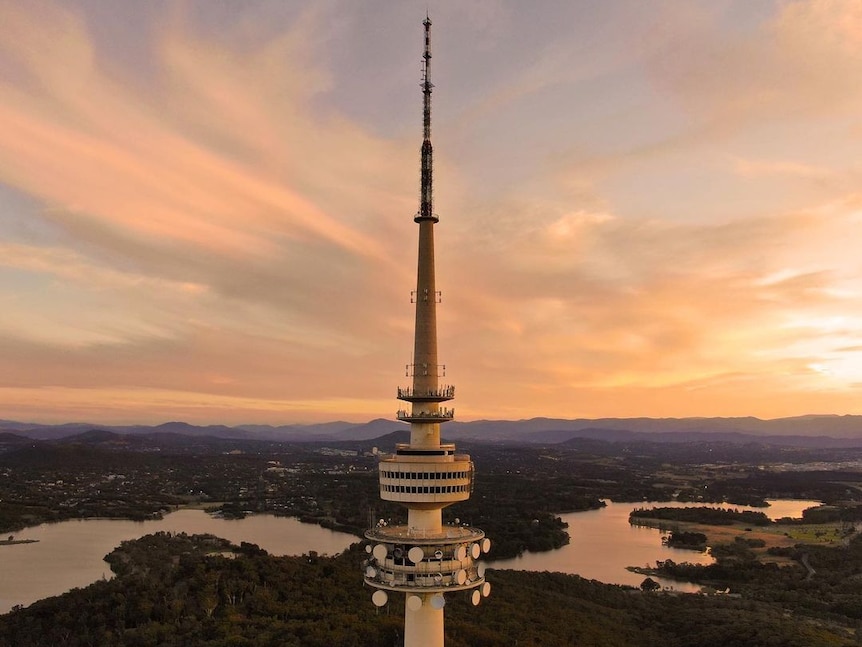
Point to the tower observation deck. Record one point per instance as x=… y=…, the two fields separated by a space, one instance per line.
x=425 y=559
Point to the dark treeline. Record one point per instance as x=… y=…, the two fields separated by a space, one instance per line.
x=685 y=540
x=186 y=591
x=704 y=515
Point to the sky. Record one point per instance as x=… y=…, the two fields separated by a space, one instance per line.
x=646 y=208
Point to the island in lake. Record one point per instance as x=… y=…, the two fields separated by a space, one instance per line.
x=11 y=541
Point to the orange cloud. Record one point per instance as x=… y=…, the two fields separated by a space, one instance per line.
x=219 y=240
x=637 y=308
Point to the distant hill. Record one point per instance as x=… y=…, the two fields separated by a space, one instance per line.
x=374 y=429
x=10 y=441
x=323 y=430
x=48 y=432
x=8 y=437
x=94 y=437
x=810 y=431
x=802 y=431
x=186 y=429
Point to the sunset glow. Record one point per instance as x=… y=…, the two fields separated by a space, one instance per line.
x=646 y=209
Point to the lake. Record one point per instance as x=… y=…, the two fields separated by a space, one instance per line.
x=603 y=544
x=70 y=554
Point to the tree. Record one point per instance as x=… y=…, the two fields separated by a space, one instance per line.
x=650 y=584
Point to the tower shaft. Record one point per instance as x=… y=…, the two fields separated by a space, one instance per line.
x=426 y=371
x=424 y=626
x=423 y=559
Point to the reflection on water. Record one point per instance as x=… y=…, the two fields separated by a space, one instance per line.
x=71 y=553
x=603 y=544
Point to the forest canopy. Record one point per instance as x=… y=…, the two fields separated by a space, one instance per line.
x=190 y=591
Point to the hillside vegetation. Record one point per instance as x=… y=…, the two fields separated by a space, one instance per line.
x=196 y=591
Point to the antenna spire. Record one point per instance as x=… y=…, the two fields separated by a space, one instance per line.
x=426 y=203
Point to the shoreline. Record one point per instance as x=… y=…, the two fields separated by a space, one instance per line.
x=12 y=542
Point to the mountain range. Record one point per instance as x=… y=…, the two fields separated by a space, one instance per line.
x=801 y=431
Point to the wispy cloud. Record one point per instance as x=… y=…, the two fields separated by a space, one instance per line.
x=764 y=168
x=630 y=306
x=659 y=229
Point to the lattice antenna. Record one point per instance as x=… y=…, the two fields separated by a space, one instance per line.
x=426 y=201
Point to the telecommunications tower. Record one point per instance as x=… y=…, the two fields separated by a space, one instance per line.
x=425 y=559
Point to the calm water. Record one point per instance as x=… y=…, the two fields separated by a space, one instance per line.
x=71 y=554
x=603 y=544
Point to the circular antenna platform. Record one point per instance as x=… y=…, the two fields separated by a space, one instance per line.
x=475 y=551
x=438 y=601
x=416 y=554
x=379 y=598
x=486 y=545
x=460 y=576
x=486 y=589
x=475 y=597
x=461 y=553
x=414 y=602
x=379 y=552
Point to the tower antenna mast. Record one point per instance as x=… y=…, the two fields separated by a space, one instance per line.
x=426 y=198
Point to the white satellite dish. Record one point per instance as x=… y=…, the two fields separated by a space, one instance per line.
x=438 y=554
x=438 y=601
x=461 y=553
x=416 y=554
x=370 y=572
x=460 y=576
x=481 y=569
x=368 y=548
x=486 y=545
x=414 y=602
x=475 y=597
x=475 y=551
x=379 y=552
x=379 y=598
x=486 y=589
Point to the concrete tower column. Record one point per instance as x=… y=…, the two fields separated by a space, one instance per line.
x=424 y=626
